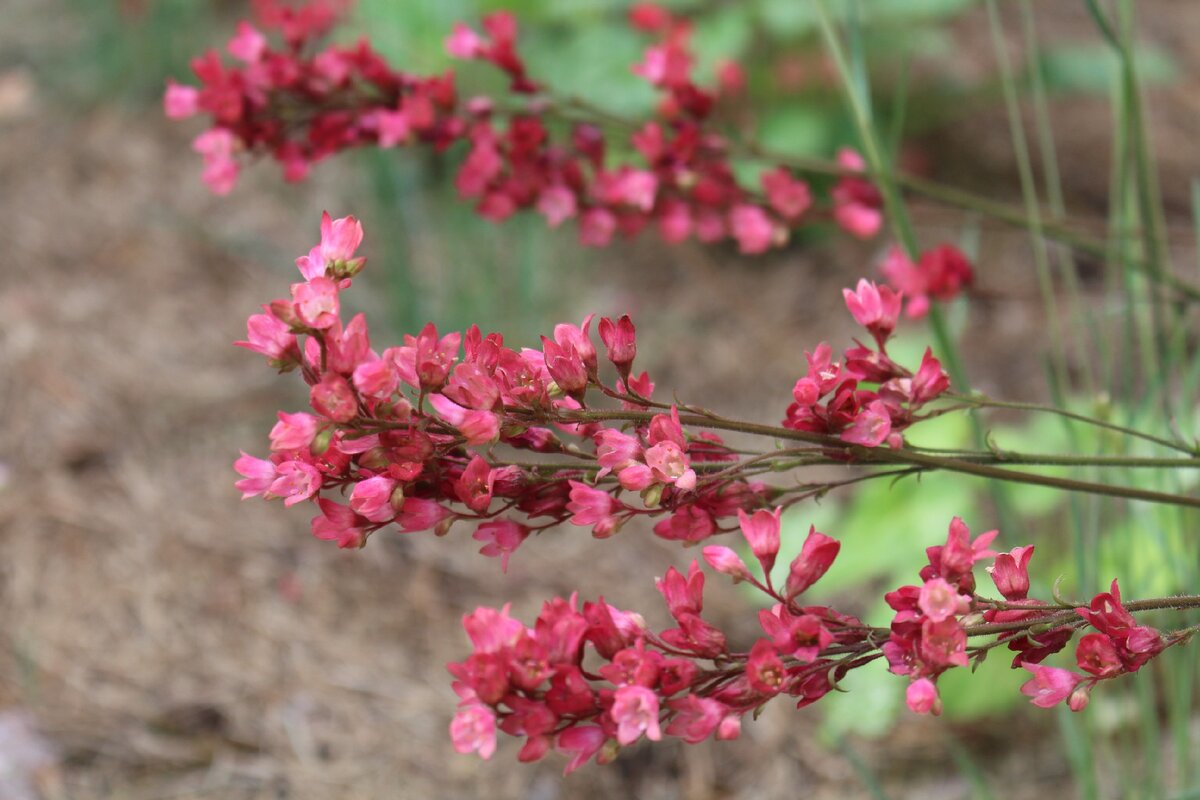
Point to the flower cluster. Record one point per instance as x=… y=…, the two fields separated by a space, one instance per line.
x=828 y=398
x=683 y=682
x=588 y=682
x=300 y=104
x=424 y=434
x=408 y=435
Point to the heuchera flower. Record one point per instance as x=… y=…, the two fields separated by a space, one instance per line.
x=922 y=697
x=1049 y=686
x=940 y=274
x=816 y=556
x=339 y=97
x=761 y=530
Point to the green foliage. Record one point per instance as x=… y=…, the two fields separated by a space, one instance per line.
x=1090 y=68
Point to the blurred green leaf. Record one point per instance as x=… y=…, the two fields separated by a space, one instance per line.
x=798 y=129
x=1091 y=68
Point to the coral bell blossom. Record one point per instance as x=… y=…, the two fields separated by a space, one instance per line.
x=722 y=559
x=473 y=729
x=635 y=710
x=788 y=197
x=922 y=697
x=761 y=530
x=501 y=538
x=620 y=338
x=1049 y=686
x=816 y=556
x=876 y=308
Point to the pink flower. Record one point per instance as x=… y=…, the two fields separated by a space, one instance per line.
x=1096 y=653
x=615 y=450
x=620 y=338
x=316 y=302
x=473 y=729
x=956 y=559
x=922 y=697
x=764 y=669
x=259 y=475
x=293 y=431
x=339 y=523
x=596 y=227
x=801 y=636
x=333 y=397
x=637 y=188
x=683 y=595
x=871 y=427
x=335 y=254
x=940 y=274
x=179 y=101
x=674 y=221
x=478 y=427
x=930 y=380
x=594 y=507
x=375 y=498
x=248 y=45
x=1049 y=685
x=649 y=17
x=725 y=561
x=271 y=337
x=565 y=366
x=939 y=600
x=557 y=204
x=635 y=711
x=943 y=644
x=474 y=486
x=580 y=742
x=696 y=718
x=1010 y=573
x=501 y=538
x=492 y=630
x=762 y=533
x=816 y=556
x=875 y=308
x=579 y=338
x=419 y=514
x=376 y=379
x=669 y=464
x=789 y=198
x=297 y=481
x=857 y=204
x=425 y=360
x=220 y=169
x=752 y=228
x=463 y=42
x=689 y=523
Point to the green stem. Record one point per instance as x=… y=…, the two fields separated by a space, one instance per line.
x=883 y=455
x=984 y=402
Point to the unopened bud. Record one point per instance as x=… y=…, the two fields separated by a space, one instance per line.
x=320 y=442
x=443 y=527
x=397 y=498
x=1079 y=698
x=652 y=495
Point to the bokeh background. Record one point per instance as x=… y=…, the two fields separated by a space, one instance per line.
x=161 y=639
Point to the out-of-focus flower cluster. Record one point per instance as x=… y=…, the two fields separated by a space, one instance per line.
x=299 y=102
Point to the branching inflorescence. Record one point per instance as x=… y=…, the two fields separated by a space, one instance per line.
x=431 y=433
x=300 y=103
